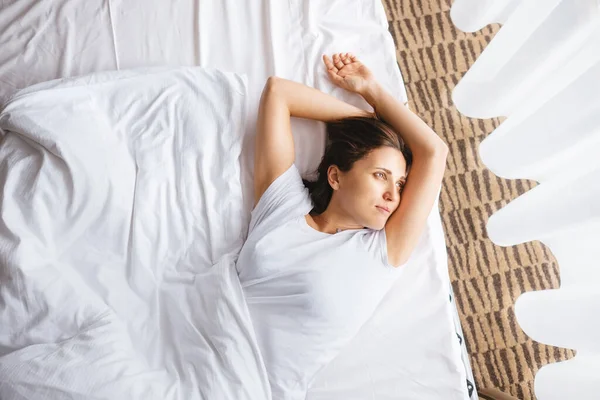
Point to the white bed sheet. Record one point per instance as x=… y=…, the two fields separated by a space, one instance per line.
x=408 y=349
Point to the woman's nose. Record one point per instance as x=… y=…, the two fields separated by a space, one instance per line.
x=390 y=195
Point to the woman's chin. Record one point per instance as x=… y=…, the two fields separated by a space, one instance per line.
x=376 y=225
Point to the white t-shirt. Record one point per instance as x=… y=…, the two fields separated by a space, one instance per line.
x=308 y=292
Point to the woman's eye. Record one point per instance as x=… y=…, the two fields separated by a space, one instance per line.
x=379 y=174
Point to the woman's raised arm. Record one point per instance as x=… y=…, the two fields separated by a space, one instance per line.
x=282 y=99
x=405 y=226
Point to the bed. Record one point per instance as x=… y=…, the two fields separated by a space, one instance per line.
x=412 y=347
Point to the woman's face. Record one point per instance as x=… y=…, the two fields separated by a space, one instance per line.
x=372 y=185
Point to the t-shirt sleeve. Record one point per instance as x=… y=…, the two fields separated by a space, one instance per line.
x=285 y=198
x=376 y=244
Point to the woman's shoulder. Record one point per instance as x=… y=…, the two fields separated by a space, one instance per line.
x=374 y=241
x=284 y=199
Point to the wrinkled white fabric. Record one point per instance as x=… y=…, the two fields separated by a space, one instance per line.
x=117 y=268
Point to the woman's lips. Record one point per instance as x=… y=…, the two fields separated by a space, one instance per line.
x=384 y=210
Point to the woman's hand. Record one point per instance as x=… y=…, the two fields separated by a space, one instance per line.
x=348 y=73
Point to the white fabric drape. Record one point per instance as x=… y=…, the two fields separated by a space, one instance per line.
x=542 y=72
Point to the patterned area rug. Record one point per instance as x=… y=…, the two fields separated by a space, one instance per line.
x=487 y=279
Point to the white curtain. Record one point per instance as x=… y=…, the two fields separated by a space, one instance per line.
x=542 y=72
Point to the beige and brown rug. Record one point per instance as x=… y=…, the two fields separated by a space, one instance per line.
x=487 y=279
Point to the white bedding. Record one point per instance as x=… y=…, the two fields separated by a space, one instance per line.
x=409 y=348
x=118 y=265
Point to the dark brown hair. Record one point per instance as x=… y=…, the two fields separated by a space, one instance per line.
x=349 y=140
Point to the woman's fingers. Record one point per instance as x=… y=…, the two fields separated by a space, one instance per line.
x=335 y=66
x=332 y=71
x=337 y=61
x=346 y=59
x=329 y=65
x=341 y=59
x=333 y=75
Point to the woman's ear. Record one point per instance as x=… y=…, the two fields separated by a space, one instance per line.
x=333 y=177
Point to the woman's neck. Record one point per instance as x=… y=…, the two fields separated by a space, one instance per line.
x=330 y=221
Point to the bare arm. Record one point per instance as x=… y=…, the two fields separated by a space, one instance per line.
x=282 y=99
x=405 y=226
x=419 y=137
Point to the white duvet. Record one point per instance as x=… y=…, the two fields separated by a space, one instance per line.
x=117 y=263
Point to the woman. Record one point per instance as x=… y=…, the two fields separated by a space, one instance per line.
x=318 y=259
